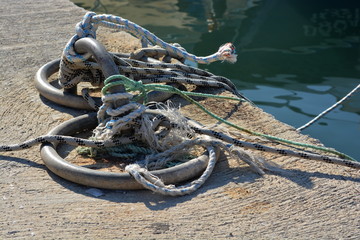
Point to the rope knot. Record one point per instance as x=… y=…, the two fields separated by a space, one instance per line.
x=227 y=52
x=132 y=85
x=85 y=28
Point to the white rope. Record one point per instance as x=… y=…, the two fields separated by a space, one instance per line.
x=329 y=109
x=88 y=26
x=149 y=181
x=152 y=182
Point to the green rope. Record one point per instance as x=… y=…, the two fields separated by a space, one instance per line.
x=132 y=85
x=121 y=151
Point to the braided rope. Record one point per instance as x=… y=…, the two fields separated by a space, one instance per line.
x=147 y=73
x=74 y=141
x=284 y=152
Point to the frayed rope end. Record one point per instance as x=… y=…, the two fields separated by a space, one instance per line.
x=227 y=52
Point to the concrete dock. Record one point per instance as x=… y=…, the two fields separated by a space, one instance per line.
x=308 y=200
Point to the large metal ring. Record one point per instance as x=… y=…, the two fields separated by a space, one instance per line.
x=109 y=180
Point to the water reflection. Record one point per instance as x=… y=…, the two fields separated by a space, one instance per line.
x=333 y=22
x=296 y=57
x=99 y=6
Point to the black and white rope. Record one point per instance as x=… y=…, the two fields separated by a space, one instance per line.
x=202 y=131
x=72 y=74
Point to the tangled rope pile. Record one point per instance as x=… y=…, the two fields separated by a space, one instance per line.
x=158 y=127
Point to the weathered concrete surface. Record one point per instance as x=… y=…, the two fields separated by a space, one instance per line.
x=309 y=200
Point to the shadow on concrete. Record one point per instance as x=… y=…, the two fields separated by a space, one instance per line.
x=60 y=108
x=22 y=161
x=221 y=176
x=303 y=178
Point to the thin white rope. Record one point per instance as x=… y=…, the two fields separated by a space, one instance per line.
x=329 y=109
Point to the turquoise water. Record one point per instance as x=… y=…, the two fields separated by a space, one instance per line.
x=295 y=57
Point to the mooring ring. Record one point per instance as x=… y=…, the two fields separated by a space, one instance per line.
x=109 y=180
